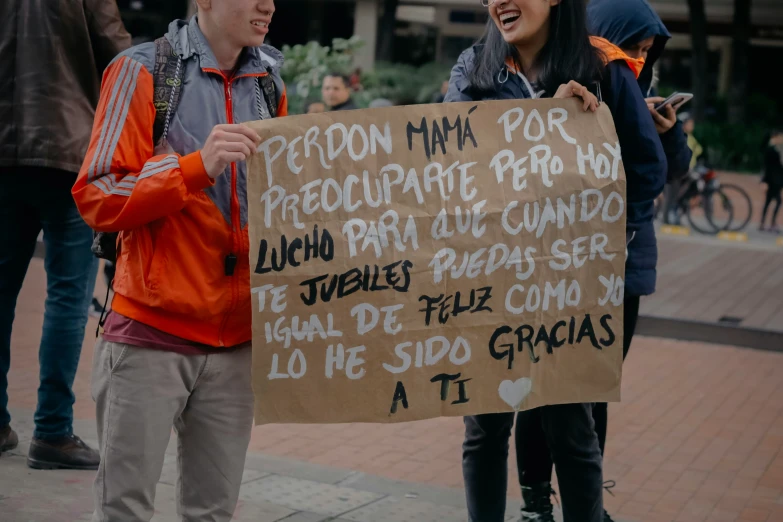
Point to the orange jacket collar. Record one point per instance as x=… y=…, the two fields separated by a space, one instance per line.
x=512 y=68
x=612 y=53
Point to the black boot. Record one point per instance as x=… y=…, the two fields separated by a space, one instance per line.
x=67 y=453
x=537 y=503
x=8 y=439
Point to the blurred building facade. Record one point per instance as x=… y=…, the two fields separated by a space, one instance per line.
x=438 y=30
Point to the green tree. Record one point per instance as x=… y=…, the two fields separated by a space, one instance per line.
x=306 y=65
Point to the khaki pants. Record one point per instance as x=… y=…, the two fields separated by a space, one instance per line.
x=140 y=394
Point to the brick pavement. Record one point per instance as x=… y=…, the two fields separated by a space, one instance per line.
x=705 y=279
x=698 y=436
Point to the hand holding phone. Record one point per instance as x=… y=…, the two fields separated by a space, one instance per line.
x=676 y=100
x=663 y=111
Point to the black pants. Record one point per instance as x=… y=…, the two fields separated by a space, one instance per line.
x=773 y=194
x=534 y=461
x=567 y=431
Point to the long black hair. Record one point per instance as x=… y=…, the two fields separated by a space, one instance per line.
x=567 y=55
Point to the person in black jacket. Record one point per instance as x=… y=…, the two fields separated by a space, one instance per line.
x=542 y=49
x=773 y=179
x=633 y=26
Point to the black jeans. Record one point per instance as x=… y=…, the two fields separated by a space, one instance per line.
x=567 y=431
x=534 y=463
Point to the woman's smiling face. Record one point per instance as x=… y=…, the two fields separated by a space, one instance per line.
x=522 y=21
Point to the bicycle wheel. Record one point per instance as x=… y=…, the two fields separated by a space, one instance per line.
x=709 y=212
x=741 y=205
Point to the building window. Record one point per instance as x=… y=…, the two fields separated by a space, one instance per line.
x=457 y=16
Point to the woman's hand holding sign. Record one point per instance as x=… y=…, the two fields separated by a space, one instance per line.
x=228 y=144
x=575 y=89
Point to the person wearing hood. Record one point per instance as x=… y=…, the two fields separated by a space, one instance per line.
x=637 y=36
x=635 y=27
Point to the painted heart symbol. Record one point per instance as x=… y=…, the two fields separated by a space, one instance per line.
x=514 y=392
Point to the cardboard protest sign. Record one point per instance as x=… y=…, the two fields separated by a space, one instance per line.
x=425 y=261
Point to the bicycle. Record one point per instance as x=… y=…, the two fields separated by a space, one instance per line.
x=702 y=200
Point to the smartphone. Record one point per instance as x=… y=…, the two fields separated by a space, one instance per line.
x=676 y=100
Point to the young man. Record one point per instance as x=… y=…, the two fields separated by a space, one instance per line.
x=336 y=92
x=175 y=351
x=51 y=57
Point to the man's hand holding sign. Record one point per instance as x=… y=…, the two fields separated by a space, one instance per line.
x=448 y=260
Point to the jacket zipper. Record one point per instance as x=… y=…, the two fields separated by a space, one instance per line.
x=235 y=233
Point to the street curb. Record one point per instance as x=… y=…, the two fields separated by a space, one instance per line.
x=675 y=230
x=723 y=237
x=737 y=237
x=714 y=241
x=700 y=331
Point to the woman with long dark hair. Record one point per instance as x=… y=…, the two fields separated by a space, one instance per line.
x=533 y=49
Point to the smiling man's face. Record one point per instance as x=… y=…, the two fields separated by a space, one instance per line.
x=244 y=22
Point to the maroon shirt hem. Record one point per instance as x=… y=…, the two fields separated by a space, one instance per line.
x=124 y=330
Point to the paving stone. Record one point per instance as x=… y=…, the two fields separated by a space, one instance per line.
x=169 y=473
x=304 y=516
x=296 y=468
x=439 y=495
x=307 y=495
x=28 y=495
x=260 y=511
x=394 y=509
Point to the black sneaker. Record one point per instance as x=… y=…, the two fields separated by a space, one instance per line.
x=537 y=503
x=67 y=453
x=8 y=439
